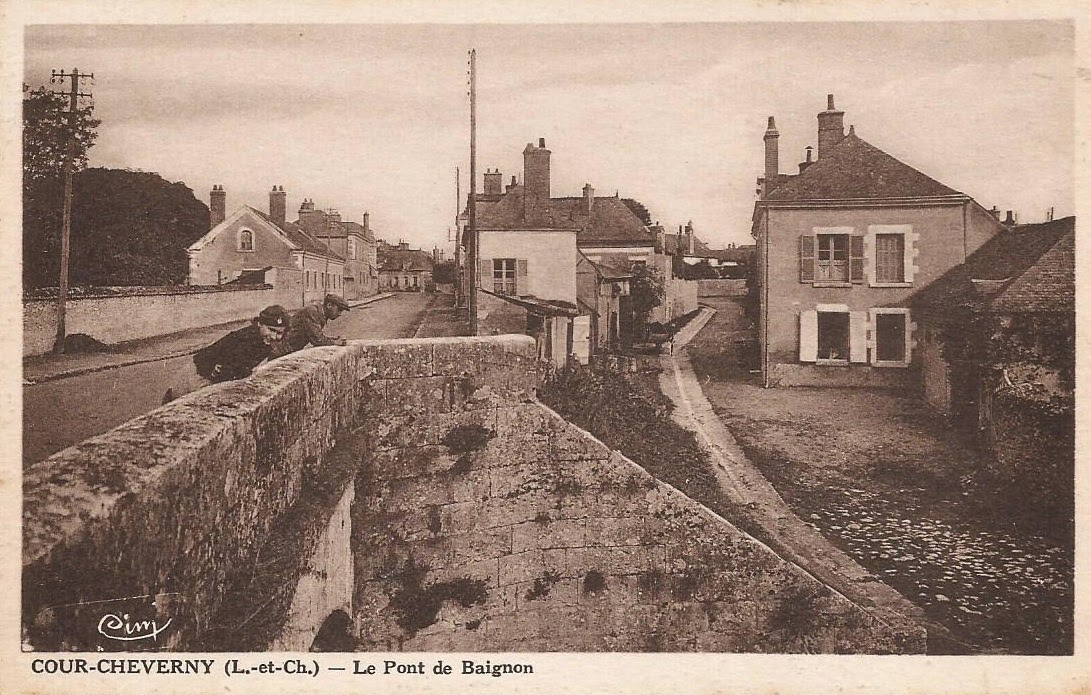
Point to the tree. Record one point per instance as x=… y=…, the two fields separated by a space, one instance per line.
x=646 y=291
x=638 y=209
x=128 y=228
x=444 y=272
x=45 y=135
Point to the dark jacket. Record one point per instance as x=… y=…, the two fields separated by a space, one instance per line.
x=305 y=327
x=237 y=353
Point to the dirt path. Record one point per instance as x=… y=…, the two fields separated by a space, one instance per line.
x=881 y=478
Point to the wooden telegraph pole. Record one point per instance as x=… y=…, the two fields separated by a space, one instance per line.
x=458 y=238
x=471 y=241
x=74 y=94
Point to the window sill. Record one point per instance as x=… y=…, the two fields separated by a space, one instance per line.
x=832 y=363
x=831 y=284
x=895 y=365
x=891 y=284
x=245 y=250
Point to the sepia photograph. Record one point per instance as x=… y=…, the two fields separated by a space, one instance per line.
x=449 y=349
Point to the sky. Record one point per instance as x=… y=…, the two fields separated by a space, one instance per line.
x=376 y=117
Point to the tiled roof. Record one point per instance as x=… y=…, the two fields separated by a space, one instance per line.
x=300 y=238
x=610 y=222
x=1027 y=268
x=738 y=254
x=394 y=259
x=673 y=242
x=854 y=168
x=358 y=229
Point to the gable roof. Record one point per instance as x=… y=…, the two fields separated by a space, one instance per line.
x=675 y=243
x=395 y=259
x=1027 y=268
x=292 y=235
x=611 y=222
x=854 y=168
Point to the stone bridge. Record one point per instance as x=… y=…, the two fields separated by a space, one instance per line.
x=400 y=495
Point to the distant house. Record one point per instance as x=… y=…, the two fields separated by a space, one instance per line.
x=250 y=240
x=1018 y=288
x=402 y=269
x=531 y=243
x=353 y=242
x=841 y=246
x=600 y=288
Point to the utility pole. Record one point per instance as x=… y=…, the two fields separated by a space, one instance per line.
x=74 y=94
x=471 y=245
x=458 y=238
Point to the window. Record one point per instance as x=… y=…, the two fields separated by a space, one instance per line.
x=833 y=335
x=393 y=280
x=503 y=276
x=831 y=256
x=246 y=240
x=890 y=258
x=415 y=279
x=832 y=261
x=892 y=341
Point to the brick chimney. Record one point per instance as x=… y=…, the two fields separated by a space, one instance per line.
x=217 y=205
x=278 y=205
x=513 y=184
x=831 y=127
x=493 y=181
x=536 y=170
x=690 y=247
x=367 y=222
x=1010 y=219
x=588 y=199
x=310 y=219
x=772 y=156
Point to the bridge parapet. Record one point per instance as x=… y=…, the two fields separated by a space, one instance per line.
x=181 y=503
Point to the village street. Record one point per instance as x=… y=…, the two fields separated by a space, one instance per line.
x=62 y=412
x=890 y=484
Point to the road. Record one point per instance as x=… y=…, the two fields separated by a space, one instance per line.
x=58 y=414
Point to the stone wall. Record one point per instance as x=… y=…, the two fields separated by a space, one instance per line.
x=721 y=288
x=480 y=520
x=132 y=313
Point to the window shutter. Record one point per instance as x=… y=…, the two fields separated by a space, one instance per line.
x=806 y=258
x=911 y=253
x=484 y=273
x=856 y=258
x=808 y=336
x=521 y=278
x=858 y=336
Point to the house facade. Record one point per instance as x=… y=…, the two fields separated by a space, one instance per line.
x=840 y=247
x=402 y=269
x=600 y=289
x=355 y=243
x=532 y=243
x=252 y=242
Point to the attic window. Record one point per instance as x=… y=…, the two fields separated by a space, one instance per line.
x=246 y=240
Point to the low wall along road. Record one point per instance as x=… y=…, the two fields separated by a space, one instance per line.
x=402 y=495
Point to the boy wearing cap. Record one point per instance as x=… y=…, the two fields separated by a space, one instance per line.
x=233 y=356
x=307 y=326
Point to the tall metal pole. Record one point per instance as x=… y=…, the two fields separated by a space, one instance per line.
x=66 y=217
x=458 y=238
x=471 y=245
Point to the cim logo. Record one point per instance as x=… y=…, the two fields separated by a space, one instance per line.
x=123 y=628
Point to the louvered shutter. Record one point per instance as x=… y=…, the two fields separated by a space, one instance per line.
x=808 y=336
x=484 y=274
x=856 y=258
x=806 y=258
x=858 y=321
x=521 y=289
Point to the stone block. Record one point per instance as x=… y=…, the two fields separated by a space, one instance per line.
x=573 y=444
x=562 y=533
x=549 y=589
x=485 y=570
x=531 y=564
x=480 y=545
x=397 y=359
x=498 y=511
x=410 y=462
x=515 y=480
x=611 y=560
x=437 y=489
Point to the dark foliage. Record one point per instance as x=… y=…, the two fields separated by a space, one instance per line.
x=443 y=273
x=128 y=228
x=46 y=126
x=647 y=290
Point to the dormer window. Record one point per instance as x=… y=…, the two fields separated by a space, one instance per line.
x=246 y=240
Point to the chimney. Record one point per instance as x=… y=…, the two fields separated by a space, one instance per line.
x=772 y=156
x=367 y=222
x=831 y=127
x=995 y=212
x=511 y=185
x=310 y=219
x=804 y=165
x=278 y=205
x=1010 y=219
x=493 y=180
x=690 y=250
x=588 y=199
x=536 y=171
x=217 y=205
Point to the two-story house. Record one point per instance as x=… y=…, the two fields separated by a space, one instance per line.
x=840 y=247
x=529 y=246
x=352 y=241
x=402 y=269
x=252 y=242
